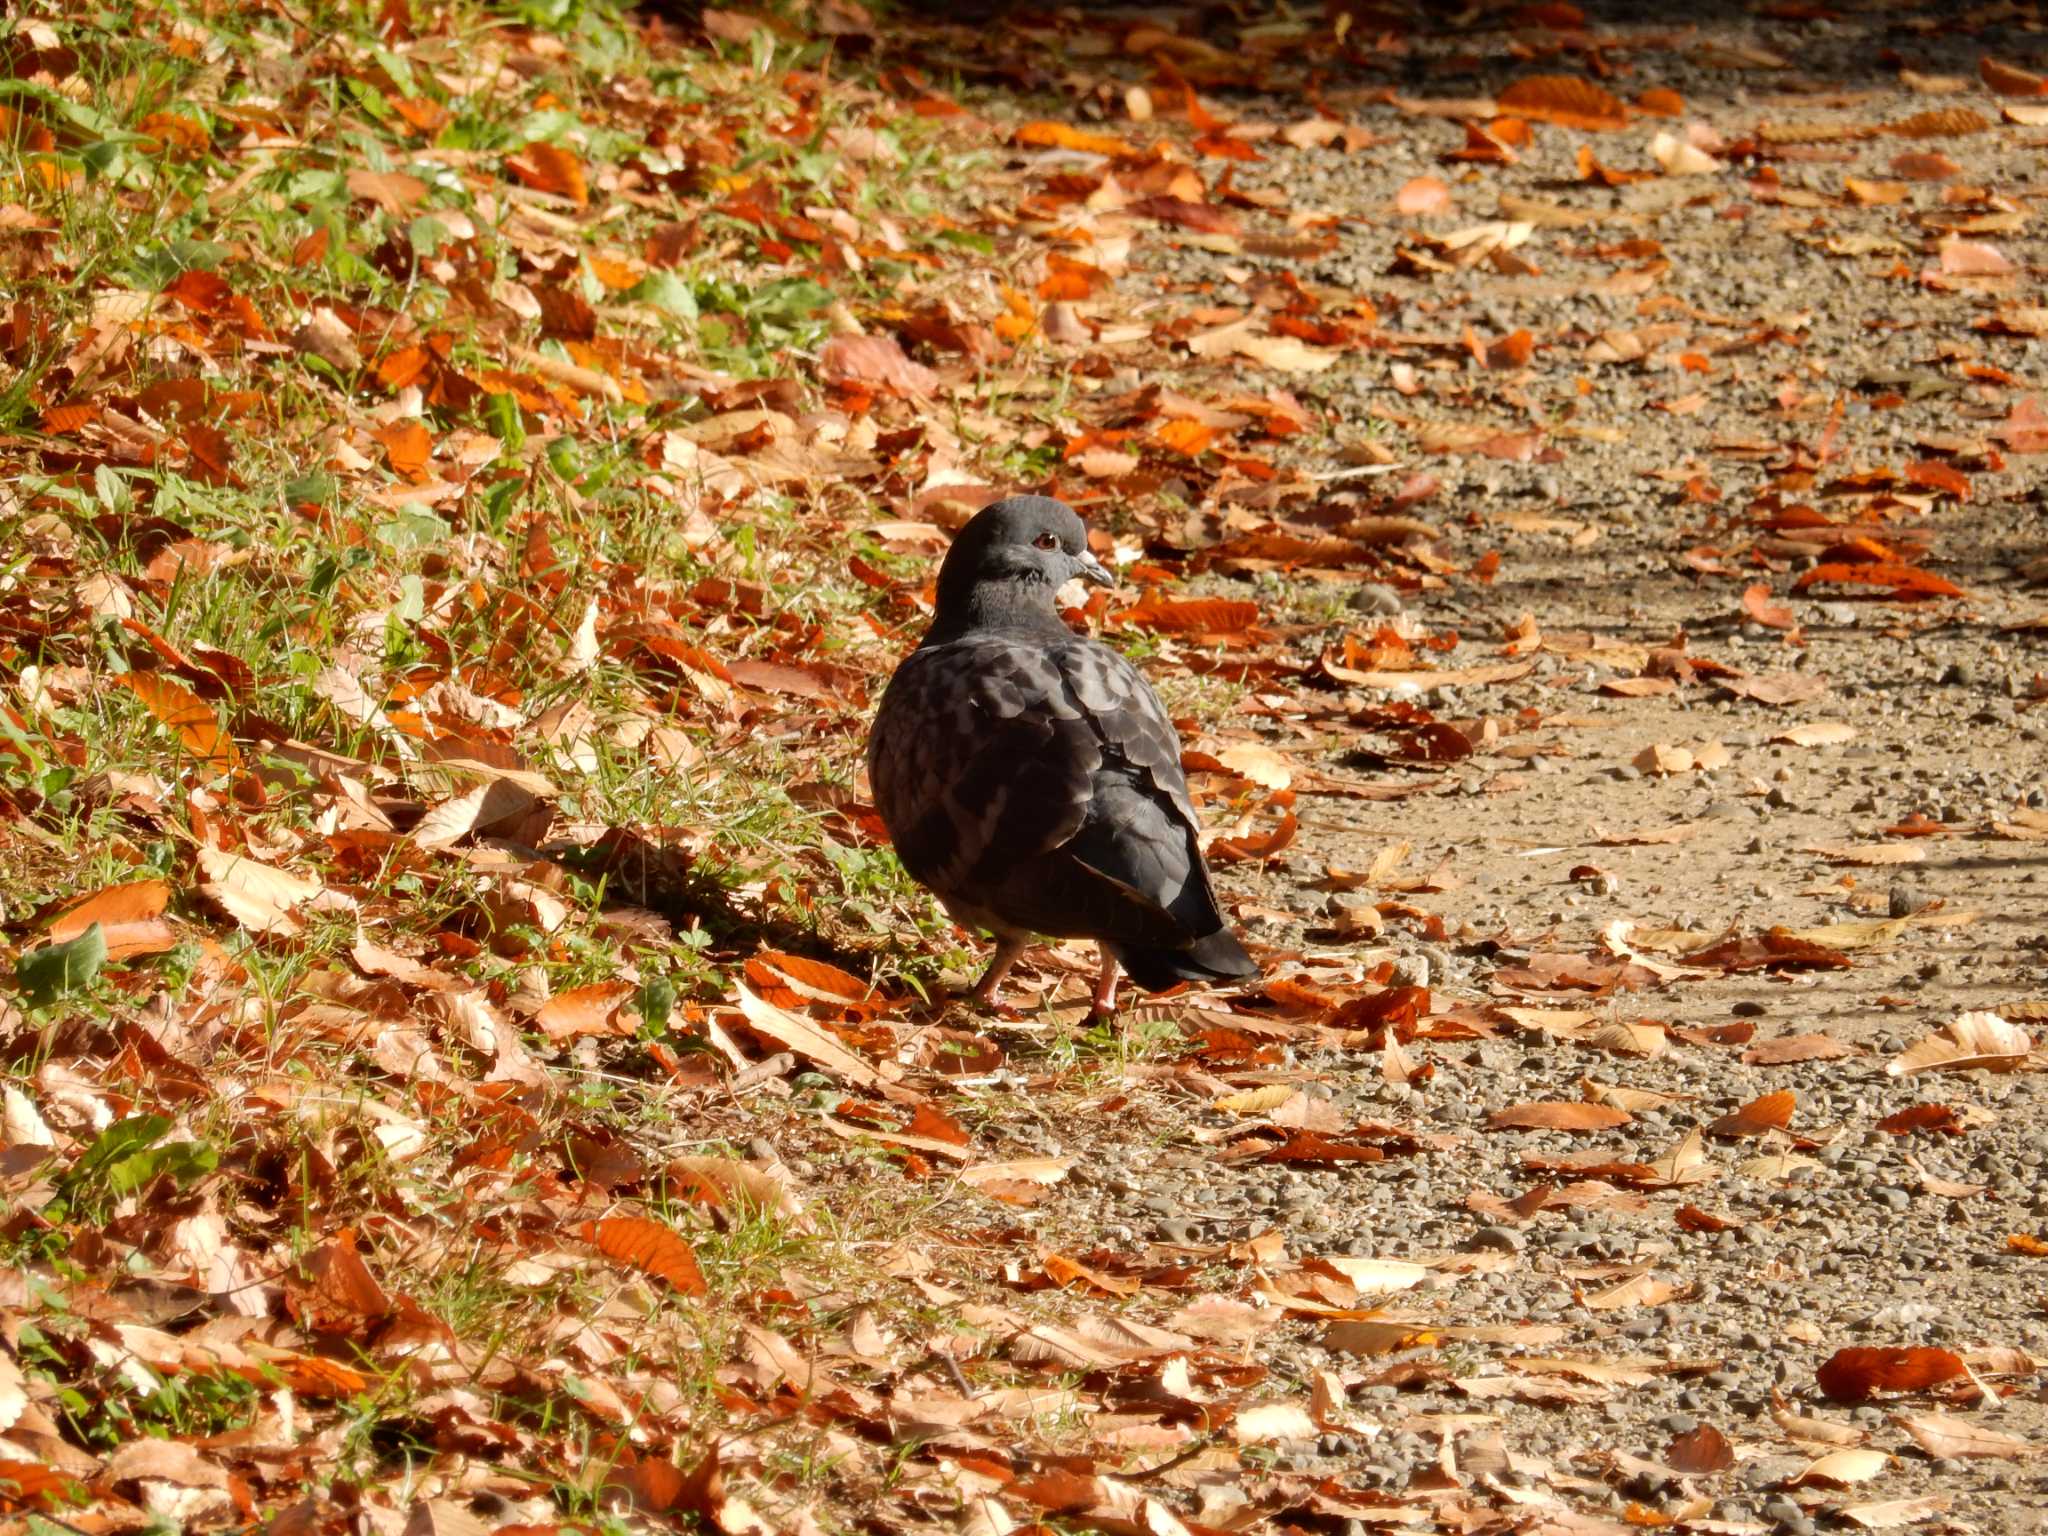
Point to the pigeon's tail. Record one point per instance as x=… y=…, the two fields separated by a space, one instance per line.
x=1217 y=957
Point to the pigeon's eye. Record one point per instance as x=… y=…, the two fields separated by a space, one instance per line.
x=1047 y=541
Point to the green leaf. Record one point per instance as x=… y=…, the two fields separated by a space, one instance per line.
x=655 y=1002
x=316 y=487
x=182 y=1160
x=119 y=1141
x=413 y=527
x=666 y=292
x=58 y=970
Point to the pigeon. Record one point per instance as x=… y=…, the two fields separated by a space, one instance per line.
x=1029 y=776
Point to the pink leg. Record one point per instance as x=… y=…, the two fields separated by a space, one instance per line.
x=1105 y=986
x=1007 y=951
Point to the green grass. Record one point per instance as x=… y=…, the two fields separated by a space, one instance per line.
x=213 y=500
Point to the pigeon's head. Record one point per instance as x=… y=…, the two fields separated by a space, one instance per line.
x=1027 y=542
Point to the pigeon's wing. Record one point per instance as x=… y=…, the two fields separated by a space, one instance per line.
x=977 y=762
x=989 y=759
x=1141 y=829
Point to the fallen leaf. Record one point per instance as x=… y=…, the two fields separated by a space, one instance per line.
x=1884 y=1514
x=1560 y=1115
x=1840 y=1469
x=1943 y=1435
x=648 y=1246
x=876 y=362
x=1854 y=1375
x=193 y=721
x=1969 y=1041
x=1772 y=1112
x=795 y=1033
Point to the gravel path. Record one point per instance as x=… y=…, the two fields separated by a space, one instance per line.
x=1721 y=363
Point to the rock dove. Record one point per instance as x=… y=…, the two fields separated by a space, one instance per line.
x=1029 y=776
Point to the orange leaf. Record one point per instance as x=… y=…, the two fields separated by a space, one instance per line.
x=1772 y=1112
x=179 y=708
x=1851 y=1375
x=1422 y=194
x=1937 y=476
x=590 y=1010
x=1050 y=135
x=1558 y=1115
x=130 y=918
x=1944 y=122
x=1509 y=352
x=63 y=420
x=789 y=981
x=170 y=130
x=1661 y=101
x=407 y=447
x=1691 y=1218
x=1756 y=602
x=339 y=1295
x=1063 y=1271
x=648 y=1246
x=1702 y=1450
x=30 y=1484
x=1191 y=438
x=1904 y=580
x=549 y=168
x=395 y=370
x=1922 y=1117
x=1924 y=165
x=2009 y=81
x=2026 y=1243
x=1202 y=615
x=1066 y=278
x=1566 y=100
x=1232 y=850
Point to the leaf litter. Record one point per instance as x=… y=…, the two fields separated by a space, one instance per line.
x=452 y=947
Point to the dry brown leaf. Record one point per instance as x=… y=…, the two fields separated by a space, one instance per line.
x=743 y=1186
x=259 y=896
x=648 y=1246
x=1854 y=1375
x=1841 y=1469
x=1816 y=733
x=130 y=916
x=1558 y=1115
x=1640 y=1291
x=489 y=804
x=876 y=362
x=198 y=730
x=1028 y=1170
x=1267 y=1422
x=1566 y=100
x=1786 y=1049
x=1884 y=1514
x=1969 y=1041
x=1870 y=853
x=588 y=1010
x=795 y=1033
x=1812 y=1431
x=1944 y=1435
x=1772 y=1112
x=1701 y=1452
x=1261 y=764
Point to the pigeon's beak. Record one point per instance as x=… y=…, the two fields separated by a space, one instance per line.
x=1092 y=570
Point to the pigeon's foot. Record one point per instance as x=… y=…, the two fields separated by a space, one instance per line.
x=1104 y=1003
x=984 y=995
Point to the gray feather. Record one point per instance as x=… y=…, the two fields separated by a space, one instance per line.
x=1030 y=777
